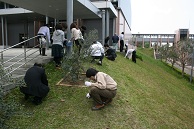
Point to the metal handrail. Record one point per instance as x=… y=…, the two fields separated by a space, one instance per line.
x=21 y=64
x=17 y=44
x=18 y=56
x=24 y=58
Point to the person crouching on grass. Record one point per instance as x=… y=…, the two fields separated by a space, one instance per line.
x=102 y=90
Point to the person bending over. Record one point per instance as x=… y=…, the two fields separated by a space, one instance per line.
x=97 y=52
x=103 y=88
x=110 y=53
x=43 y=38
x=36 y=84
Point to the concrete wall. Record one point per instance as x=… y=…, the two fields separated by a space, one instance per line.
x=97 y=24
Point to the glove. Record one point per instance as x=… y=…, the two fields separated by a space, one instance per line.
x=87 y=83
x=88 y=95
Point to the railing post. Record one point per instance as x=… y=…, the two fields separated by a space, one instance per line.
x=25 y=55
x=2 y=58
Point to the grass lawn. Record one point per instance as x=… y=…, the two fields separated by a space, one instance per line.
x=150 y=95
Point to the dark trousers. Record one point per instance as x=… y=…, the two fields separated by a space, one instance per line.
x=57 y=61
x=42 y=47
x=121 y=45
x=97 y=57
x=78 y=44
x=100 y=95
x=134 y=56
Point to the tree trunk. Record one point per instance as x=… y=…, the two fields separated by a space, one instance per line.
x=183 y=67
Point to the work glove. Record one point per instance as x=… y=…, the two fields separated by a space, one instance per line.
x=88 y=95
x=87 y=83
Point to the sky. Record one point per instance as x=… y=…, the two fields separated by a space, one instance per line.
x=161 y=16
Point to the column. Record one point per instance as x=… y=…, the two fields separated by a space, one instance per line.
x=103 y=26
x=6 y=38
x=114 y=26
x=47 y=20
x=69 y=21
x=107 y=24
x=143 y=41
x=69 y=17
x=47 y=45
x=150 y=41
x=2 y=29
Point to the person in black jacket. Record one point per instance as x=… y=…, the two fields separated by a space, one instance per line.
x=110 y=53
x=106 y=40
x=36 y=84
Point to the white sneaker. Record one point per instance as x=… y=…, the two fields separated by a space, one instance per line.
x=88 y=95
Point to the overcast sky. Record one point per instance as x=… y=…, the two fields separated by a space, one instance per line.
x=162 y=16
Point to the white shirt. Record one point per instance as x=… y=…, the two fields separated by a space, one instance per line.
x=76 y=34
x=45 y=31
x=128 y=54
x=58 y=37
x=121 y=37
x=97 y=49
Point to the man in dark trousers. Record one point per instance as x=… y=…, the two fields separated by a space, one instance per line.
x=110 y=53
x=36 y=83
x=43 y=38
x=115 y=40
x=121 y=38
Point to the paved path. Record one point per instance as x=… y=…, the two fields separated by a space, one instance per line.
x=16 y=51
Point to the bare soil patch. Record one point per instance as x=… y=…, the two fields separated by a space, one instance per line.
x=67 y=81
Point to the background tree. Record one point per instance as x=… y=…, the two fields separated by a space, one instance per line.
x=163 y=51
x=184 y=49
x=172 y=55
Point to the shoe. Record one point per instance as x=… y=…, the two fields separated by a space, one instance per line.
x=108 y=101
x=98 y=107
x=37 y=100
x=44 y=55
x=58 y=67
x=99 y=63
x=26 y=97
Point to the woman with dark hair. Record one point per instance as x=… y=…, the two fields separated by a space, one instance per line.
x=76 y=35
x=103 y=89
x=57 y=46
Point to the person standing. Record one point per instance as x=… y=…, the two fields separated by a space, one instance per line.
x=76 y=35
x=36 y=82
x=115 y=40
x=57 y=46
x=43 y=38
x=102 y=90
x=121 y=38
x=106 y=40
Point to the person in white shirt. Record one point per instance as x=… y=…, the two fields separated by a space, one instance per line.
x=43 y=38
x=121 y=38
x=131 y=53
x=76 y=35
x=57 y=46
x=97 y=51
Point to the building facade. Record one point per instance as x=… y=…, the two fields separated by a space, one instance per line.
x=21 y=20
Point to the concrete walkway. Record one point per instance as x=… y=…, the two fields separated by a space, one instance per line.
x=16 y=66
x=16 y=51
